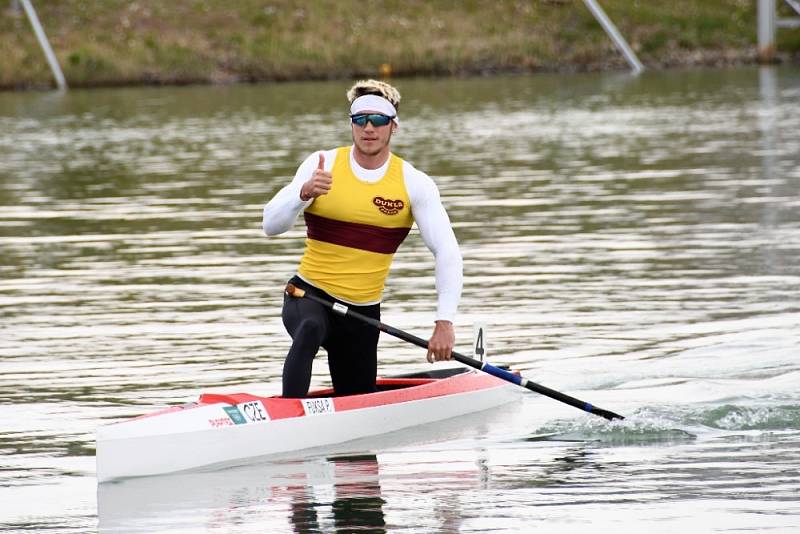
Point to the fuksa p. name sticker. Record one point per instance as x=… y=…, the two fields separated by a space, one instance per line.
x=318 y=406
x=388 y=206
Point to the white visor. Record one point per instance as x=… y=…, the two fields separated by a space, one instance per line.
x=374 y=103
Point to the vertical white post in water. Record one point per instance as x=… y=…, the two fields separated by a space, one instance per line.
x=766 y=30
x=611 y=30
x=768 y=116
x=45 y=44
x=768 y=23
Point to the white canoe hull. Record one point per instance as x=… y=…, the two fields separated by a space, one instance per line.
x=192 y=438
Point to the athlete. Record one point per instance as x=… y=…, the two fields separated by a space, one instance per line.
x=359 y=203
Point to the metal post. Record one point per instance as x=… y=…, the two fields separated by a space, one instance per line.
x=793 y=22
x=612 y=32
x=766 y=30
x=45 y=44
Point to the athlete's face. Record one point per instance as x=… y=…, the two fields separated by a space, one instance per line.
x=371 y=140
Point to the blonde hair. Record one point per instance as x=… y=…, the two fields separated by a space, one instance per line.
x=374 y=87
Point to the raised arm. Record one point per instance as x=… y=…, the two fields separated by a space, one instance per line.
x=281 y=212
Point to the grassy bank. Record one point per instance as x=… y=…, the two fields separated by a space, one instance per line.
x=115 y=42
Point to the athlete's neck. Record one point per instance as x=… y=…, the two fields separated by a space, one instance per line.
x=370 y=161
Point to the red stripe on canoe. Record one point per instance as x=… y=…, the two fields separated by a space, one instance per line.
x=409 y=389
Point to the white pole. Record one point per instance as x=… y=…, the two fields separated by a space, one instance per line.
x=612 y=32
x=45 y=44
x=793 y=22
x=766 y=30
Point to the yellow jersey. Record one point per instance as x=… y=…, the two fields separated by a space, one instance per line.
x=354 y=231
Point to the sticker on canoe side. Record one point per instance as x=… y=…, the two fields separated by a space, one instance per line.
x=254 y=411
x=318 y=406
x=241 y=414
x=235 y=415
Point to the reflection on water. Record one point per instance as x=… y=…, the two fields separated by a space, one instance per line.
x=424 y=489
x=357 y=503
x=632 y=241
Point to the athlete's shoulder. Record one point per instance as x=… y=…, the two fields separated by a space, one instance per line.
x=419 y=185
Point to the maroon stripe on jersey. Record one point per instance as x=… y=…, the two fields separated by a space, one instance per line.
x=354 y=235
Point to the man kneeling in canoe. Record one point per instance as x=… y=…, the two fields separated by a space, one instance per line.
x=359 y=203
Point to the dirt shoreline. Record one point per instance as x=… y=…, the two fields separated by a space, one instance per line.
x=694 y=59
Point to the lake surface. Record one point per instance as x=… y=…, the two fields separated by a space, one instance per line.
x=634 y=242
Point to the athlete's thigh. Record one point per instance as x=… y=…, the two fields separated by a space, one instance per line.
x=305 y=317
x=353 y=355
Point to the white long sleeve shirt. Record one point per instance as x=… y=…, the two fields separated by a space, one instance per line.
x=434 y=226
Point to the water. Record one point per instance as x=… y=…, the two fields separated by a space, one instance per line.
x=632 y=242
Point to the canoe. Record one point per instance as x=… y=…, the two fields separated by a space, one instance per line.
x=233 y=429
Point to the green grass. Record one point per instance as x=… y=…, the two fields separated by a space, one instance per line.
x=112 y=42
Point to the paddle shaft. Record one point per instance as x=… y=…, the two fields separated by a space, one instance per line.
x=341 y=309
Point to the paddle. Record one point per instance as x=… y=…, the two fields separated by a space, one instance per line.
x=341 y=309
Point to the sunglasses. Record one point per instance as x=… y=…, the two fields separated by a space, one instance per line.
x=377 y=119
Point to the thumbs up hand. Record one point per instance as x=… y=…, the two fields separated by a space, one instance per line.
x=319 y=184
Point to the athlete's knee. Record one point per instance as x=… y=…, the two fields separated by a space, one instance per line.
x=310 y=328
